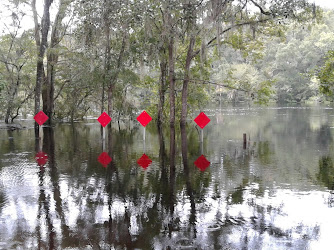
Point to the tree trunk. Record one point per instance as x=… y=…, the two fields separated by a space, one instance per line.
x=110 y=94
x=186 y=80
x=44 y=89
x=52 y=61
x=171 y=64
x=107 y=66
x=106 y=71
x=41 y=43
x=51 y=86
x=49 y=83
x=162 y=89
x=115 y=76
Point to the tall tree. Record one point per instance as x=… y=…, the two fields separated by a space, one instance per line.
x=15 y=54
x=236 y=15
x=52 y=59
x=41 y=38
x=45 y=82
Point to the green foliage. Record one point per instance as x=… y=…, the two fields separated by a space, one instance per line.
x=246 y=83
x=291 y=62
x=250 y=48
x=326 y=75
x=124 y=94
x=17 y=72
x=198 y=97
x=265 y=92
x=255 y=59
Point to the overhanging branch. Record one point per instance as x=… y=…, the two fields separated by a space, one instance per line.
x=230 y=28
x=214 y=83
x=267 y=13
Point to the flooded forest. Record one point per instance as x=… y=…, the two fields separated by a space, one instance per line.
x=144 y=124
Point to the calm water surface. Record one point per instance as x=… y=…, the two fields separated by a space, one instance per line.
x=275 y=192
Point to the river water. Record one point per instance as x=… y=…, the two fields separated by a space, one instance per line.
x=274 y=192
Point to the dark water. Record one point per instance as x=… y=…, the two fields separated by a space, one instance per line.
x=275 y=192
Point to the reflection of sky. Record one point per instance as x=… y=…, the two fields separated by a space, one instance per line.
x=19 y=183
x=299 y=211
x=295 y=212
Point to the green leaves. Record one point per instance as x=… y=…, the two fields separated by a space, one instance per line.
x=326 y=75
x=264 y=92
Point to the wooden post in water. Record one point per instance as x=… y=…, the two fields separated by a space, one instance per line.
x=40 y=138
x=201 y=141
x=144 y=139
x=202 y=135
x=103 y=139
x=245 y=140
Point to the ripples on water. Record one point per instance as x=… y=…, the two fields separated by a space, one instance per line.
x=275 y=194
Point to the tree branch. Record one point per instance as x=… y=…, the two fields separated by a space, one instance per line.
x=61 y=88
x=214 y=83
x=9 y=63
x=230 y=28
x=267 y=13
x=37 y=25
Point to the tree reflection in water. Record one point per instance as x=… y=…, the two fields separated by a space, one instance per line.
x=326 y=176
x=170 y=205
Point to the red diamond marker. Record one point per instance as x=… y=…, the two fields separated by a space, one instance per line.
x=202 y=120
x=41 y=158
x=144 y=161
x=104 y=159
x=202 y=163
x=104 y=119
x=41 y=117
x=144 y=118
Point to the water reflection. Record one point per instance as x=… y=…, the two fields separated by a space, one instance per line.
x=202 y=163
x=326 y=171
x=189 y=189
x=144 y=161
x=173 y=222
x=275 y=194
x=104 y=159
x=41 y=158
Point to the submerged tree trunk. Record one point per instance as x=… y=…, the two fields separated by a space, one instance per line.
x=186 y=81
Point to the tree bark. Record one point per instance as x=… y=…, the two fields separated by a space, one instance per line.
x=41 y=42
x=106 y=66
x=52 y=60
x=186 y=80
x=171 y=63
x=162 y=88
